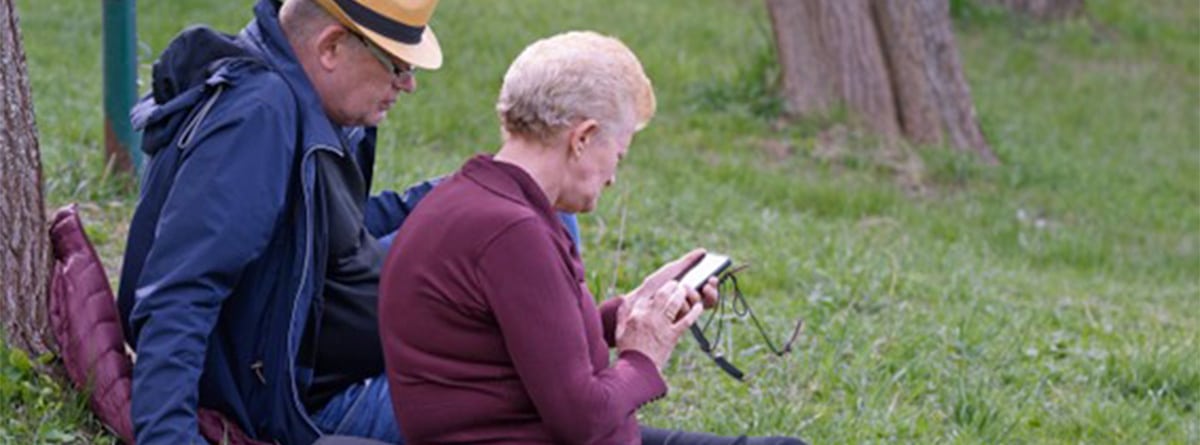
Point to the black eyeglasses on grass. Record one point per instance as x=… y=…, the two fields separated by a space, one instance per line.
x=741 y=308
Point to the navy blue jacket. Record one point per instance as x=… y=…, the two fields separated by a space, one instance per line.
x=226 y=253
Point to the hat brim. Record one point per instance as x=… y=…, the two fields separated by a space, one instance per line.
x=426 y=54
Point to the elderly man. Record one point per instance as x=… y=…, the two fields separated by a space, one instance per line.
x=489 y=330
x=251 y=274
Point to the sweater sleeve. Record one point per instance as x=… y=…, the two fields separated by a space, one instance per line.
x=533 y=297
x=608 y=318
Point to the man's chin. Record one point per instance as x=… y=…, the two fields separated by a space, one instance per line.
x=373 y=120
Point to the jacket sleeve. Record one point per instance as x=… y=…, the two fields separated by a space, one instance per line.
x=227 y=199
x=386 y=211
x=532 y=295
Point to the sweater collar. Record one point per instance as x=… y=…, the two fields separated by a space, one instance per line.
x=511 y=182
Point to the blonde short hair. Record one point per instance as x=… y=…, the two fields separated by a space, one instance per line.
x=575 y=75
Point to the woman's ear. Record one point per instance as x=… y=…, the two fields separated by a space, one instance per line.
x=581 y=135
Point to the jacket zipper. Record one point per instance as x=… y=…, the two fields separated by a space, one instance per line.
x=308 y=246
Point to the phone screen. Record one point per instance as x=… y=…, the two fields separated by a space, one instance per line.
x=708 y=266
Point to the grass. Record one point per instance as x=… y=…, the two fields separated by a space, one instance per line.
x=1052 y=299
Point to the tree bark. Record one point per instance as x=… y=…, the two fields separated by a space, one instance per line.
x=829 y=52
x=951 y=91
x=25 y=258
x=1043 y=9
x=808 y=73
x=900 y=26
x=893 y=64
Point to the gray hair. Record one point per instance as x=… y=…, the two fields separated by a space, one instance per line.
x=571 y=76
x=302 y=19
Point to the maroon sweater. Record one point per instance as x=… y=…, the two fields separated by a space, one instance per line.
x=489 y=332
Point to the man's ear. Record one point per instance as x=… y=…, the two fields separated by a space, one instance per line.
x=581 y=135
x=328 y=45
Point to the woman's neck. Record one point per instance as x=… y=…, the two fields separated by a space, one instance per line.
x=538 y=161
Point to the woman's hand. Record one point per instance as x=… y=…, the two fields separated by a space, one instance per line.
x=708 y=294
x=673 y=270
x=651 y=324
x=667 y=272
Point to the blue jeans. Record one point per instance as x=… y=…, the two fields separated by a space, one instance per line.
x=362 y=410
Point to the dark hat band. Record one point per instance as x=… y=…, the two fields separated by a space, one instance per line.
x=379 y=23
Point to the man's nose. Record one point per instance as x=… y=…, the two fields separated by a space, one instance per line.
x=406 y=83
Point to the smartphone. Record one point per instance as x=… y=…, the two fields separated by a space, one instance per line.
x=709 y=265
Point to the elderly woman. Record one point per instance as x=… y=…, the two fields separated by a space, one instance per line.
x=489 y=332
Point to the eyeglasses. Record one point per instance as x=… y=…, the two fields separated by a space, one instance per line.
x=740 y=308
x=398 y=69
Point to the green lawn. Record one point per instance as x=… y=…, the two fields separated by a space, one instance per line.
x=1052 y=299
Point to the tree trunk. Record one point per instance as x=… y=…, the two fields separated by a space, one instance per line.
x=1043 y=9
x=25 y=259
x=830 y=54
x=893 y=64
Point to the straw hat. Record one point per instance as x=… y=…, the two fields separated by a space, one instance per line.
x=400 y=27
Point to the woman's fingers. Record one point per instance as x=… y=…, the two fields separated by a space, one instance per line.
x=673 y=300
x=693 y=297
x=667 y=289
x=688 y=319
x=682 y=263
x=672 y=269
x=711 y=293
x=677 y=302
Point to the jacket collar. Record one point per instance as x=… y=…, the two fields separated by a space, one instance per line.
x=265 y=36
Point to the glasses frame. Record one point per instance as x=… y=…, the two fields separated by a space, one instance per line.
x=388 y=62
x=742 y=309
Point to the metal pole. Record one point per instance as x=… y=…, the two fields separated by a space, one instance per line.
x=122 y=144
